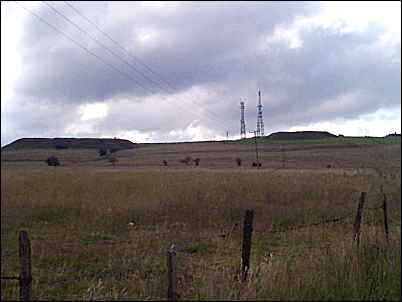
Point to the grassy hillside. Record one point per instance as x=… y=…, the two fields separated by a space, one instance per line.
x=213 y=155
x=352 y=140
x=103 y=235
x=69 y=143
x=300 y=135
x=101 y=232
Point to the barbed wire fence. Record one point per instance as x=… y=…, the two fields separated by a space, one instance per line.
x=25 y=277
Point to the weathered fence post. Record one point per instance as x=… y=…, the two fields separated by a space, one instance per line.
x=358 y=219
x=25 y=264
x=171 y=265
x=384 y=207
x=246 y=252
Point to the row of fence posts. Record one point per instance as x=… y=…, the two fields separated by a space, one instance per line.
x=245 y=258
x=25 y=277
x=246 y=246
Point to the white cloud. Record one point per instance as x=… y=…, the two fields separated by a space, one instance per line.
x=194 y=132
x=358 y=15
x=93 y=111
x=379 y=123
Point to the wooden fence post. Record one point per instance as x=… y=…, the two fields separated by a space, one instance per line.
x=25 y=267
x=171 y=265
x=246 y=251
x=384 y=207
x=358 y=219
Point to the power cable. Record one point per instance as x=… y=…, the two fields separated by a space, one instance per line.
x=161 y=79
x=92 y=53
x=147 y=67
x=80 y=45
x=99 y=43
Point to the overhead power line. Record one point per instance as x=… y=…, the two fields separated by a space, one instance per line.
x=95 y=55
x=146 y=66
x=80 y=45
x=136 y=59
x=99 y=43
x=109 y=50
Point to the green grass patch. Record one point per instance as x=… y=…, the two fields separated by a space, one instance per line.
x=351 y=140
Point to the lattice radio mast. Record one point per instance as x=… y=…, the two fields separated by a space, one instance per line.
x=260 y=121
x=242 y=123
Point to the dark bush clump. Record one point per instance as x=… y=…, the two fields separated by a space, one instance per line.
x=165 y=163
x=53 y=161
x=187 y=160
x=238 y=161
x=102 y=152
x=60 y=147
x=197 y=161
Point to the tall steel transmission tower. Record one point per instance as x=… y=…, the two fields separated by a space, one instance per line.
x=260 y=121
x=242 y=123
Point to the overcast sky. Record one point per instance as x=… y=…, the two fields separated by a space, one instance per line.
x=180 y=69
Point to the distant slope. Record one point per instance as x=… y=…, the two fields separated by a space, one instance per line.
x=300 y=135
x=394 y=135
x=70 y=143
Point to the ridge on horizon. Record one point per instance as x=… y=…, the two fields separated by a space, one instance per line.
x=118 y=143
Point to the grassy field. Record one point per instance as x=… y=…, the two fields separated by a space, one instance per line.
x=354 y=140
x=219 y=155
x=99 y=232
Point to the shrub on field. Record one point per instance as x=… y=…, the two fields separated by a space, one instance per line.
x=197 y=161
x=238 y=161
x=53 y=161
x=60 y=147
x=165 y=163
x=256 y=165
x=187 y=160
x=102 y=152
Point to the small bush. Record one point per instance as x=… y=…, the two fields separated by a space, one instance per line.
x=53 y=161
x=165 y=163
x=238 y=161
x=197 y=161
x=187 y=160
x=60 y=147
x=102 y=152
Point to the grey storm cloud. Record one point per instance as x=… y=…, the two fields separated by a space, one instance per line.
x=223 y=49
x=194 y=38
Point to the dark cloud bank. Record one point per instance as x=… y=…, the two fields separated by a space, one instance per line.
x=221 y=52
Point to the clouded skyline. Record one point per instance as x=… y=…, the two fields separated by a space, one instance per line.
x=320 y=66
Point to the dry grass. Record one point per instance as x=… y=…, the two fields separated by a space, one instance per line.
x=102 y=235
x=223 y=156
